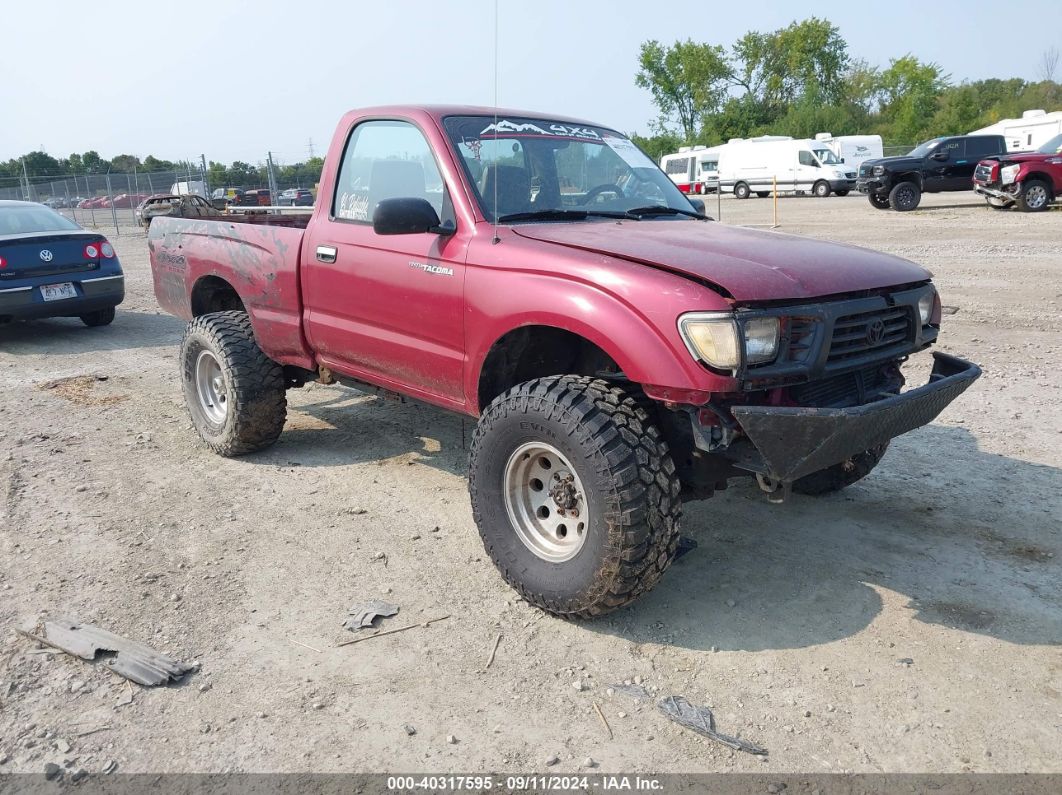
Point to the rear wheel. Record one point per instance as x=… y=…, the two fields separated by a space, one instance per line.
x=234 y=392
x=1035 y=196
x=575 y=494
x=878 y=201
x=841 y=192
x=839 y=476
x=821 y=189
x=763 y=194
x=101 y=317
x=742 y=191
x=905 y=197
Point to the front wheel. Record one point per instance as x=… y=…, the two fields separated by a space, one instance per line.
x=821 y=189
x=1035 y=196
x=905 y=197
x=742 y=191
x=839 y=476
x=575 y=494
x=235 y=394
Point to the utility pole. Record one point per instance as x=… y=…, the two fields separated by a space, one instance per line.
x=309 y=147
x=25 y=175
x=206 y=182
x=272 y=178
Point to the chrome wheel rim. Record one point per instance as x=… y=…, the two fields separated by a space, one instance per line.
x=1036 y=197
x=210 y=387
x=546 y=503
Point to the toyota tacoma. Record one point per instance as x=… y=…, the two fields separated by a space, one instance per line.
x=620 y=350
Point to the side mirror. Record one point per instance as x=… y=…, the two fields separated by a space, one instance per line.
x=698 y=205
x=842 y=159
x=940 y=155
x=403 y=216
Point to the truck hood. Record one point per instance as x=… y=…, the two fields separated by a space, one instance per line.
x=1026 y=157
x=898 y=163
x=746 y=264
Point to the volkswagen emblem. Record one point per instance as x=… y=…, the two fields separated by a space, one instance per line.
x=46 y=255
x=875 y=331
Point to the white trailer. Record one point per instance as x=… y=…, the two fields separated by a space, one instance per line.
x=852 y=149
x=788 y=165
x=694 y=169
x=1030 y=132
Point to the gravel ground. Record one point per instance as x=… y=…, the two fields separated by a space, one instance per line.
x=911 y=623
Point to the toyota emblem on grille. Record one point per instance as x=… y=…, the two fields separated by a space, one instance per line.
x=46 y=255
x=875 y=331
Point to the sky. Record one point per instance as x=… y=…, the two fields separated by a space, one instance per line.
x=233 y=80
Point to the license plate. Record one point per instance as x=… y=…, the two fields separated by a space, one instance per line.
x=56 y=292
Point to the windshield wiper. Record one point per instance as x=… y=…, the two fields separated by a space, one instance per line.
x=545 y=215
x=659 y=209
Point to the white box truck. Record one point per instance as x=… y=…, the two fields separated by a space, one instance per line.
x=752 y=166
x=852 y=149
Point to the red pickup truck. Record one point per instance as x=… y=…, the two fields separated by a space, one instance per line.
x=1029 y=181
x=620 y=350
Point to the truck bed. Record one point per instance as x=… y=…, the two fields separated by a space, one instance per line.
x=196 y=263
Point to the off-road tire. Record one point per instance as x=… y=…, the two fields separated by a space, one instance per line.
x=879 y=202
x=255 y=386
x=632 y=493
x=742 y=191
x=101 y=317
x=837 y=477
x=821 y=189
x=1035 y=196
x=904 y=197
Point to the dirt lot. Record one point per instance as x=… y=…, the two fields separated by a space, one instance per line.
x=792 y=622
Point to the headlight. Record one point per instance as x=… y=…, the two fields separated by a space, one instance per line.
x=879 y=171
x=925 y=306
x=713 y=337
x=1009 y=173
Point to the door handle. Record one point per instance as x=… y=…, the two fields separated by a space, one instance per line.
x=326 y=253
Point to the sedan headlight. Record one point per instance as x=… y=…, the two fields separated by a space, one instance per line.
x=925 y=306
x=1008 y=174
x=715 y=338
x=879 y=171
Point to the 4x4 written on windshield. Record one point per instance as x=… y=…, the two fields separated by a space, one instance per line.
x=535 y=170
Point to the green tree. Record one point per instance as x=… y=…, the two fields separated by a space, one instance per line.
x=910 y=90
x=124 y=164
x=686 y=80
x=41 y=164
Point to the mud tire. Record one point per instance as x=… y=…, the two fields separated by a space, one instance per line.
x=631 y=493
x=253 y=383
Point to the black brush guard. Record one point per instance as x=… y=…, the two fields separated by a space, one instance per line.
x=787 y=442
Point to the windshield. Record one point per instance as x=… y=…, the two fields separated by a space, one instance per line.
x=1052 y=147
x=22 y=219
x=535 y=166
x=827 y=157
x=924 y=149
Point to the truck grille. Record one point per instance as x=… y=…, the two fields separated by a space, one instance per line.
x=983 y=173
x=864 y=171
x=862 y=333
x=848 y=389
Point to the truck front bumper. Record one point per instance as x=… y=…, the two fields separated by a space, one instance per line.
x=871 y=186
x=784 y=443
x=1001 y=194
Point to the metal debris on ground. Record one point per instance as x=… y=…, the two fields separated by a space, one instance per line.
x=701 y=720
x=949 y=310
x=380 y=634
x=363 y=616
x=637 y=692
x=133 y=660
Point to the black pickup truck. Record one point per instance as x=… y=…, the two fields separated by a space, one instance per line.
x=939 y=164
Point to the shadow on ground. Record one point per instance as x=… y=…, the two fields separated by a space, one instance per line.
x=63 y=336
x=969 y=540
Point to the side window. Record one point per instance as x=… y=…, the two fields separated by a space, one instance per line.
x=807 y=159
x=680 y=165
x=977 y=148
x=955 y=147
x=386 y=160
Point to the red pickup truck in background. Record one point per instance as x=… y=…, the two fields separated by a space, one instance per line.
x=620 y=350
x=1029 y=181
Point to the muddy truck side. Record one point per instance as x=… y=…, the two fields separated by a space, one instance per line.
x=620 y=351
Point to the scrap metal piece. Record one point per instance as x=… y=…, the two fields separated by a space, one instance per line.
x=363 y=616
x=701 y=720
x=637 y=692
x=133 y=660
